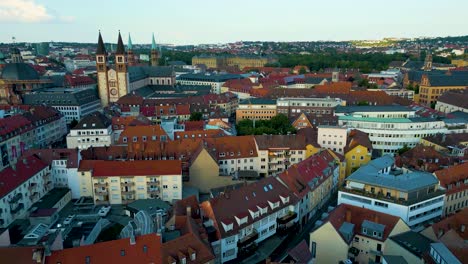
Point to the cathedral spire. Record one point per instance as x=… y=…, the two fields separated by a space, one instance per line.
x=129 y=45
x=153 y=43
x=101 y=49
x=120 y=45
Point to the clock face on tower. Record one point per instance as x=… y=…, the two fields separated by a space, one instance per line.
x=113 y=91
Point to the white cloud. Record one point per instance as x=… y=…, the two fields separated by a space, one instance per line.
x=27 y=11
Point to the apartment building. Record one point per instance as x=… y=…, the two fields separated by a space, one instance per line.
x=452 y=101
x=93 y=130
x=389 y=127
x=293 y=107
x=256 y=109
x=356 y=234
x=63 y=164
x=358 y=150
x=216 y=81
x=313 y=180
x=22 y=185
x=452 y=144
x=122 y=182
x=434 y=85
x=73 y=103
x=276 y=153
x=240 y=61
x=28 y=127
x=413 y=196
x=454 y=180
x=142 y=134
x=332 y=137
x=242 y=218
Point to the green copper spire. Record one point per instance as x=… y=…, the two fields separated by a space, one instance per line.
x=153 y=43
x=129 y=45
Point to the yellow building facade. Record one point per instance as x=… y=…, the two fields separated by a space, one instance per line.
x=428 y=93
x=356 y=157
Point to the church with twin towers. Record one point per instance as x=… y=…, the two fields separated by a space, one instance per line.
x=124 y=75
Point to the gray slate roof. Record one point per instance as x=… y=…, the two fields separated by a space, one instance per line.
x=99 y=120
x=413 y=242
x=369 y=174
x=449 y=80
x=61 y=97
x=19 y=72
x=258 y=101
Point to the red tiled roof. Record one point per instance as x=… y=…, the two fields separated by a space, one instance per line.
x=454 y=175
x=180 y=207
x=22 y=255
x=357 y=214
x=423 y=158
x=147 y=249
x=14 y=124
x=43 y=212
x=357 y=137
x=25 y=169
x=200 y=134
x=140 y=131
x=49 y=155
x=77 y=80
x=193 y=125
x=298 y=176
x=188 y=243
x=301 y=253
x=453 y=222
x=107 y=168
x=224 y=207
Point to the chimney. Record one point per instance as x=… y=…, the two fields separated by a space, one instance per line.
x=376 y=218
x=348 y=215
x=132 y=239
x=189 y=210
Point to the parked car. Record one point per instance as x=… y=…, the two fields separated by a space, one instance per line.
x=104 y=210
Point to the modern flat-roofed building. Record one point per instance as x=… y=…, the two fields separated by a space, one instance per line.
x=73 y=103
x=390 y=128
x=413 y=196
x=216 y=81
x=256 y=109
x=293 y=107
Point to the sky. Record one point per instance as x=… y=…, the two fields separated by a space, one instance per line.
x=222 y=21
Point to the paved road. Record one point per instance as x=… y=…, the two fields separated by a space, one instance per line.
x=305 y=232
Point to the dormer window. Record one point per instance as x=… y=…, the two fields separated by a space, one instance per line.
x=135 y=139
x=124 y=139
x=144 y=138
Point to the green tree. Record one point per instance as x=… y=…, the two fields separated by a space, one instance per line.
x=302 y=70
x=73 y=123
x=196 y=116
x=361 y=103
x=403 y=149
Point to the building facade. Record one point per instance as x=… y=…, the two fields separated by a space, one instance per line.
x=415 y=197
x=93 y=130
x=122 y=182
x=390 y=128
x=256 y=109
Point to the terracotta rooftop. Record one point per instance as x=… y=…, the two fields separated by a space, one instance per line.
x=140 y=132
x=200 y=134
x=107 y=168
x=193 y=125
x=224 y=208
x=26 y=168
x=454 y=178
x=308 y=174
x=446 y=140
x=146 y=249
x=356 y=138
x=49 y=155
x=295 y=142
x=22 y=255
x=357 y=215
x=453 y=222
x=423 y=158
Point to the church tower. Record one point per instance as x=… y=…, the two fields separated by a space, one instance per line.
x=154 y=53
x=130 y=55
x=120 y=87
x=101 y=65
x=428 y=61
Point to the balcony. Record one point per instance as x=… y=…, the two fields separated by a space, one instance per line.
x=153 y=190
x=34 y=196
x=156 y=182
x=127 y=183
x=391 y=199
x=32 y=186
x=287 y=218
x=17 y=208
x=248 y=239
x=128 y=192
x=100 y=192
x=16 y=198
x=100 y=184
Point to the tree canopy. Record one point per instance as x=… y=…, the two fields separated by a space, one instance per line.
x=277 y=125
